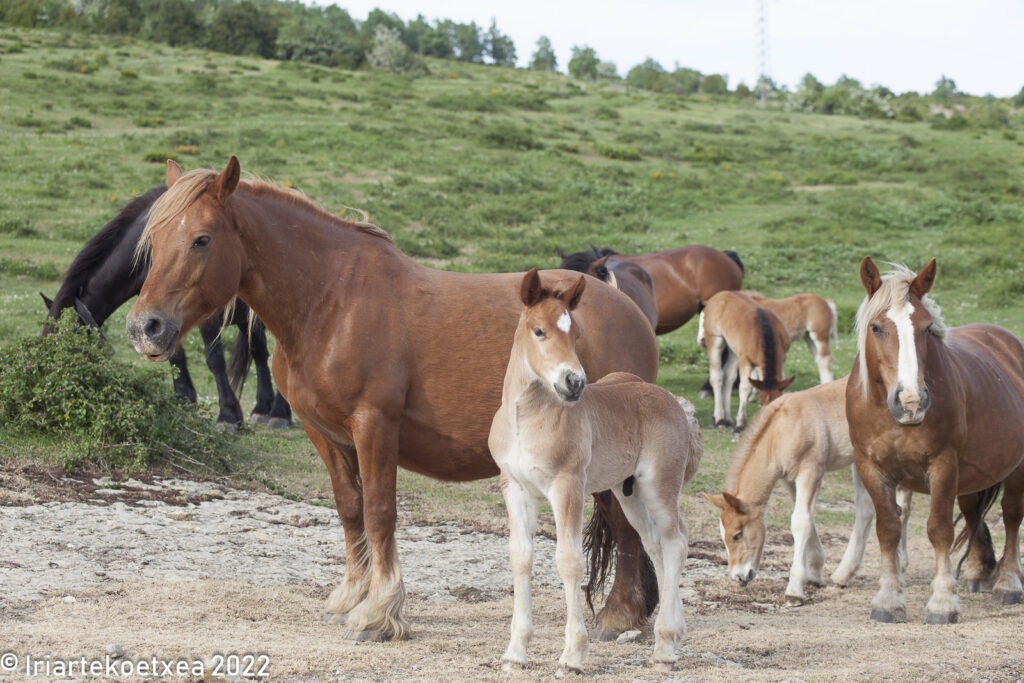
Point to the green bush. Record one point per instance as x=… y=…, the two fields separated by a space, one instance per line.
x=620 y=152
x=105 y=412
x=511 y=136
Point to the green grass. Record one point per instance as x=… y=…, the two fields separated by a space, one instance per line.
x=490 y=169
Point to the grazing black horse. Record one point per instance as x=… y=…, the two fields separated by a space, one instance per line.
x=104 y=275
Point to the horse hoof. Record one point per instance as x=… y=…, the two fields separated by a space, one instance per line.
x=509 y=665
x=259 y=419
x=950 y=618
x=227 y=427
x=605 y=634
x=663 y=667
x=568 y=670
x=723 y=423
x=704 y=393
x=278 y=423
x=887 y=617
x=331 y=618
x=797 y=601
x=1002 y=597
x=372 y=635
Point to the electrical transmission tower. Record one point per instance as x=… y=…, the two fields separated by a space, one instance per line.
x=761 y=91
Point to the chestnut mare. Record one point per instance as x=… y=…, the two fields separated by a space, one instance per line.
x=941 y=412
x=798 y=438
x=754 y=338
x=684 y=278
x=387 y=362
x=559 y=437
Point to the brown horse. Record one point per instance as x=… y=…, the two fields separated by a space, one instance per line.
x=940 y=411
x=811 y=317
x=632 y=280
x=387 y=362
x=754 y=338
x=685 y=279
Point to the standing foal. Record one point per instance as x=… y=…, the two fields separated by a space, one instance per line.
x=552 y=440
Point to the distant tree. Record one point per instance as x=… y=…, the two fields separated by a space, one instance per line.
x=389 y=53
x=685 y=81
x=945 y=89
x=500 y=47
x=584 y=62
x=243 y=29
x=810 y=84
x=33 y=13
x=379 y=17
x=544 y=56
x=742 y=91
x=714 y=84
x=607 y=70
x=173 y=22
x=469 y=45
x=118 y=16
x=1018 y=99
x=648 y=75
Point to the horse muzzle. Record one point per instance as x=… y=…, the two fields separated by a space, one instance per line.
x=909 y=410
x=744 y=575
x=153 y=335
x=570 y=386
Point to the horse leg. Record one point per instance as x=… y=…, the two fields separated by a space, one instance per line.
x=280 y=413
x=706 y=391
x=822 y=355
x=888 y=604
x=566 y=497
x=981 y=561
x=1008 y=588
x=348 y=499
x=522 y=522
x=379 y=615
x=903 y=497
x=943 y=605
x=230 y=411
x=808 y=555
x=183 y=386
x=264 y=386
x=864 y=512
x=718 y=377
x=633 y=596
x=746 y=391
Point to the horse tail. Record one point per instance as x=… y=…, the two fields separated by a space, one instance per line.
x=768 y=347
x=979 y=531
x=598 y=544
x=695 y=446
x=833 y=323
x=241 y=359
x=736 y=259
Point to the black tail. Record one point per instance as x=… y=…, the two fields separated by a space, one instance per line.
x=770 y=372
x=736 y=258
x=599 y=543
x=979 y=531
x=241 y=360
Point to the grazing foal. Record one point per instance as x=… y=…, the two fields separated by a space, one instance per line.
x=553 y=440
x=811 y=317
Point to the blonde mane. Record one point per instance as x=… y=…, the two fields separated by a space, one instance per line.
x=190 y=186
x=894 y=291
x=748 y=442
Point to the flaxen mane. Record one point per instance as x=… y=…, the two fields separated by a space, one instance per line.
x=894 y=291
x=749 y=441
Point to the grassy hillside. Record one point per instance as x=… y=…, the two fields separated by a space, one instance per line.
x=491 y=169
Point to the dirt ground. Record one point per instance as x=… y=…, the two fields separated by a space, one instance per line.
x=183 y=570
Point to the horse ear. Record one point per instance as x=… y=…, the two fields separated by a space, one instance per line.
x=922 y=284
x=572 y=296
x=784 y=384
x=869 y=276
x=715 y=499
x=85 y=314
x=735 y=503
x=173 y=172
x=47 y=300
x=530 y=289
x=224 y=184
x=757 y=384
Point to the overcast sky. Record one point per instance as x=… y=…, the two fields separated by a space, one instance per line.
x=903 y=44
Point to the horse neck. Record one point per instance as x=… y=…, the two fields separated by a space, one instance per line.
x=758 y=471
x=298 y=264
x=110 y=283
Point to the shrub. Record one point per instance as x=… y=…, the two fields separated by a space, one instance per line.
x=159 y=156
x=80 y=122
x=129 y=73
x=620 y=152
x=105 y=412
x=511 y=136
x=17 y=227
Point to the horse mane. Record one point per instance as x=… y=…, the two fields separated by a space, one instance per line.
x=767 y=333
x=190 y=186
x=736 y=259
x=98 y=248
x=894 y=291
x=748 y=442
x=581 y=260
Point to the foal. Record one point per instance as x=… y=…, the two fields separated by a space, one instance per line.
x=811 y=317
x=552 y=440
x=754 y=338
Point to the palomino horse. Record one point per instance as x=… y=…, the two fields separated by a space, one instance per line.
x=386 y=361
x=797 y=438
x=684 y=278
x=940 y=411
x=754 y=338
x=811 y=317
x=557 y=438
x=104 y=275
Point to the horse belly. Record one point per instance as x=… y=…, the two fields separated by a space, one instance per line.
x=426 y=450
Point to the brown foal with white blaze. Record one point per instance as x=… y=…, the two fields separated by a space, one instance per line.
x=940 y=411
x=755 y=338
x=798 y=438
x=556 y=437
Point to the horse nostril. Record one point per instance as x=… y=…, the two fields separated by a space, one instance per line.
x=153 y=328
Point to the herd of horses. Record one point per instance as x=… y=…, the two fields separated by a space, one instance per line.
x=548 y=380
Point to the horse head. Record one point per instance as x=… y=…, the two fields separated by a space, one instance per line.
x=549 y=333
x=743 y=532
x=196 y=259
x=895 y=325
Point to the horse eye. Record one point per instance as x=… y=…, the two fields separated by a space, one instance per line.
x=738 y=535
x=200 y=241
x=876 y=329
x=538 y=333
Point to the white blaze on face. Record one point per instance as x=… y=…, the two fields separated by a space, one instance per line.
x=721 y=530
x=906 y=360
x=564 y=321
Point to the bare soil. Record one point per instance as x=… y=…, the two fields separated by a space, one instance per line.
x=175 y=569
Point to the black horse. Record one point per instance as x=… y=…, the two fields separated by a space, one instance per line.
x=104 y=275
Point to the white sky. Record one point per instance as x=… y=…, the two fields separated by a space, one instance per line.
x=903 y=44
